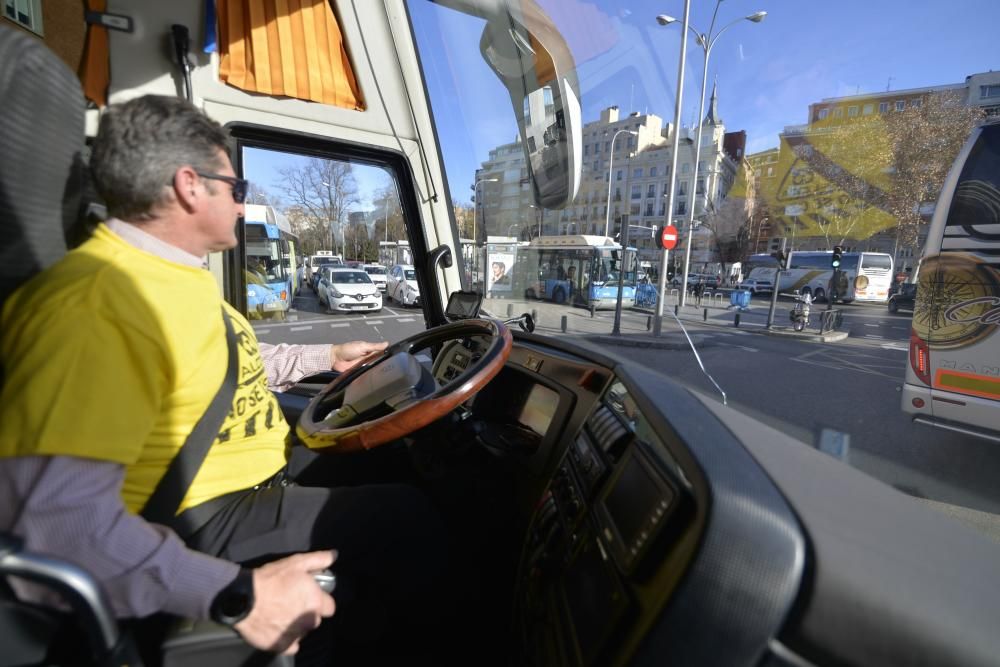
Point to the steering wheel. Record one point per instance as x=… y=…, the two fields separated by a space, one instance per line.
x=392 y=394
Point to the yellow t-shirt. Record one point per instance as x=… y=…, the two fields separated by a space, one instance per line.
x=114 y=354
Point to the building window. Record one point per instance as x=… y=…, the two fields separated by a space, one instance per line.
x=823 y=113
x=680 y=209
x=652 y=172
x=631 y=141
x=634 y=210
x=607 y=146
x=685 y=168
x=770 y=171
x=883 y=107
x=651 y=191
x=915 y=103
x=597 y=165
x=27 y=13
x=586 y=150
x=900 y=105
x=618 y=175
x=682 y=189
x=618 y=194
x=663 y=208
x=649 y=208
x=597 y=147
x=985 y=92
x=701 y=186
x=852 y=111
x=867 y=109
x=838 y=112
x=637 y=172
x=636 y=192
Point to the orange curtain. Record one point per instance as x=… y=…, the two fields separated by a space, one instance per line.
x=286 y=47
x=95 y=68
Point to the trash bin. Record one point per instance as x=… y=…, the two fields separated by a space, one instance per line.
x=740 y=298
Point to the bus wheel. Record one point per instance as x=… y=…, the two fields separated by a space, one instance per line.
x=820 y=294
x=559 y=295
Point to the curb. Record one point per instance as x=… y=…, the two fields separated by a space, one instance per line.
x=671 y=341
x=784 y=332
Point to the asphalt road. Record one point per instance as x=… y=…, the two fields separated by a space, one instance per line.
x=847 y=387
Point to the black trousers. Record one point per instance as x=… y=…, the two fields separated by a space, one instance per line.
x=393 y=590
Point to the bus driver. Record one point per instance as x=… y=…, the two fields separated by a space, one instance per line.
x=110 y=358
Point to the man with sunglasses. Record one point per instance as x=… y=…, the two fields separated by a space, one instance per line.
x=112 y=356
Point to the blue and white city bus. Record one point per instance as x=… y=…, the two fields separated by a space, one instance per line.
x=576 y=269
x=271 y=262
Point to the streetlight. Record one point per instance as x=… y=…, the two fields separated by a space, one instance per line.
x=706 y=41
x=611 y=162
x=475 y=194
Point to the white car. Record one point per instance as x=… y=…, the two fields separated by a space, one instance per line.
x=754 y=285
x=402 y=285
x=378 y=274
x=345 y=290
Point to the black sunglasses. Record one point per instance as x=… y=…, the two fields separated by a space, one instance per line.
x=240 y=185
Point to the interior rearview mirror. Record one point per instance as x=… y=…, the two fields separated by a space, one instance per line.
x=463 y=305
x=524 y=48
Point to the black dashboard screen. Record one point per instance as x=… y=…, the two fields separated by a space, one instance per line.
x=633 y=497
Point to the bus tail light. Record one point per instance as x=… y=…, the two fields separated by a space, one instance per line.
x=284 y=295
x=920 y=358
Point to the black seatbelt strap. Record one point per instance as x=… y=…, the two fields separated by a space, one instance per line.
x=166 y=498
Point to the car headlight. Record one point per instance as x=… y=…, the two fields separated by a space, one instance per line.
x=334 y=293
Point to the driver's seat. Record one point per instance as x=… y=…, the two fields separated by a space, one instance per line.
x=42 y=204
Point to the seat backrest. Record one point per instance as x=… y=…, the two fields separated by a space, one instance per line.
x=41 y=165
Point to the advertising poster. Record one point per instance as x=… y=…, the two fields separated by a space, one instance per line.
x=500 y=264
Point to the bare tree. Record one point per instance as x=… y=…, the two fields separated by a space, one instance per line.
x=258 y=194
x=731 y=222
x=321 y=192
x=388 y=213
x=465 y=221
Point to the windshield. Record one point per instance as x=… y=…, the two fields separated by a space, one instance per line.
x=801 y=127
x=350 y=278
x=410 y=274
x=264 y=260
x=375 y=270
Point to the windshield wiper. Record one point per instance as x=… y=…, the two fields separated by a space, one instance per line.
x=698 y=357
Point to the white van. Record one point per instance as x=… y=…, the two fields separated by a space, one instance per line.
x=953 y=374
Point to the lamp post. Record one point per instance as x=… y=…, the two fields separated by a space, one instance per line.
x=611 y=162
x=475 y=205
x=706 y=41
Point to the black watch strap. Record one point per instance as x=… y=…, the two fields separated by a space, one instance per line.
x=233 y=603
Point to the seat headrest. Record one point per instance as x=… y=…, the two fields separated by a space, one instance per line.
x=41 y=165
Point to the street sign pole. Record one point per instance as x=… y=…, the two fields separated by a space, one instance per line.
x=774 y=287
x=617 y=330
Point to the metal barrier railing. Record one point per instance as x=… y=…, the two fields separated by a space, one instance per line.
x=830 y=320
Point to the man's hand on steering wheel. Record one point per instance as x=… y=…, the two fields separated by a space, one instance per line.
x=388 y=395
x=345 y=355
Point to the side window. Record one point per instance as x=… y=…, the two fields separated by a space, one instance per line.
x=976 y=201
x=336 y=213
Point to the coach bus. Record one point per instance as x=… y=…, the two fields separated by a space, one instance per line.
x=864 y=276
x=592 y=504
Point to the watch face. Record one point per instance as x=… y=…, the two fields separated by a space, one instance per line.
x=234 y=603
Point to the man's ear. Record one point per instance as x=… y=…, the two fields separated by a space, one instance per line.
x=187 y=188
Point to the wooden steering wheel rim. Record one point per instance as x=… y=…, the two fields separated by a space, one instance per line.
x=370 y=434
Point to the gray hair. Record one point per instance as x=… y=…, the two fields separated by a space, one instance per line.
x=142 y=143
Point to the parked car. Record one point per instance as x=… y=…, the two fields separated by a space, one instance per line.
x=754 y=285
x=708 y=280
x=378 y=274
x=903 y=298
x=342 y=289
x=401 y=285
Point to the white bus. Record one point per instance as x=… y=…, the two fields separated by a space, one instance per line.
x=953 y=374
x=865 y=276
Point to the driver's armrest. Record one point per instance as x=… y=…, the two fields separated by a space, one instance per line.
x=208 y=643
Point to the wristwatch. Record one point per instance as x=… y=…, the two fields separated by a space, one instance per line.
x=233 y=603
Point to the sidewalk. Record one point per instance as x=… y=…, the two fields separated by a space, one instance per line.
x=637 y=323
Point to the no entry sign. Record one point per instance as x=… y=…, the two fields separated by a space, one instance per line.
x=668 y=237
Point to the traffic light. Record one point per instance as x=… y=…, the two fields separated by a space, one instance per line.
x=838 y=253
x=782 y=258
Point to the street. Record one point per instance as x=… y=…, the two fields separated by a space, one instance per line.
x=800 y=387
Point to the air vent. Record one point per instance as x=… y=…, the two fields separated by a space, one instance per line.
x=607 y=431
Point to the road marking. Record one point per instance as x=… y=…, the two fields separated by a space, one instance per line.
x=373 y=322
x=406 y=319
x=742 y=347
x=813 y=363
x=901 y=328
x=872 y=325
x=390 y=310
x=337 y=326
x=891 y=346
x=874 y=336
x=300 y=328
x=261 y=332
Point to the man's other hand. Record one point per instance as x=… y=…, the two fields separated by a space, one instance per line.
x=288 y=602
x=346 y=355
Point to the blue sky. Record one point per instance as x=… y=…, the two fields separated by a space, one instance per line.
x=768 y=73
